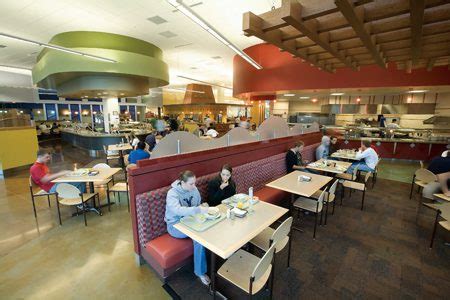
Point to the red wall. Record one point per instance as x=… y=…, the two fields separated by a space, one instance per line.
x=282 y=72
x=155 y=173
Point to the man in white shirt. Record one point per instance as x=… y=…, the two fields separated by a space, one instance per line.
x=212 y=132
x=367 y=156
x=393 y=125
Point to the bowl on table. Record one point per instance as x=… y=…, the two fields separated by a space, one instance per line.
x=213 y=213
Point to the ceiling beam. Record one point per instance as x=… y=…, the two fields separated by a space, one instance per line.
x=356 y=19
x=292 y=11
x=417 y=8
x=252 y=26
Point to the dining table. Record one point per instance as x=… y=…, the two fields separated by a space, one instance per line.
x=83 y=176
x=329 y=166
x=226 y=237
x=120 y=148
x=345 y=154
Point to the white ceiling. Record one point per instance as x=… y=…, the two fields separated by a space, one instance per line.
x=42 y=19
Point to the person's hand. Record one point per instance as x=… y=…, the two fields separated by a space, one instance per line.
x=447 y=194
x=223 y=185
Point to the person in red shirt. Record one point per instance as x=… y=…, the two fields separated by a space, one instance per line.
x=40 y=173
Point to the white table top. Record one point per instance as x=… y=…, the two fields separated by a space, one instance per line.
x=344 y=165
x=101 y=176
x=290 y=183
x=345 y=155
x=119 y=147
x=228 y=236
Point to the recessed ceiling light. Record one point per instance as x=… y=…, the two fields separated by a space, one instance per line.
x=289 y=95
x=304 y=97
x=337 y=94
x=168 y=34
x=418 y=91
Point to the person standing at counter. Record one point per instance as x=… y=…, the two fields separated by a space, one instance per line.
x=40 y=173
x=138 y=154
x=221 y=187
x=183 y=199
x=323 y=150
x=440 y=166
x=393 y=124
x=367 y=156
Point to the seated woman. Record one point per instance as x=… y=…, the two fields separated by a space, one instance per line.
x=221 y=187
x=138 y=154
x=183 y=199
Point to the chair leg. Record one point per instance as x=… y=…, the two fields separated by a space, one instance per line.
x=315 y=226
x=34 y=207
x=48 y=200
x=334 y=204
x=434 y=228
x=109 y=200
x=362 y=202
x=59 y=212
x=342 y=194
x=412 y=187
x=289 y=251
x=326 y=213
x=128 y=202
x=84 y=211
x=272 y=277
x=321 y=217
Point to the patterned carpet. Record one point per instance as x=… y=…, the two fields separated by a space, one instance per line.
x=381 y=252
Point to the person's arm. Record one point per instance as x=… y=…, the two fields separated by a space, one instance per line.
x=173 y=205
x=443 y=178
x=215 y=193
x=319 y=153
x=361 y=155
x=49 y=177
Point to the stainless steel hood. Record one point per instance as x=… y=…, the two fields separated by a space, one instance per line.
x=438 y=120
x=373 y=109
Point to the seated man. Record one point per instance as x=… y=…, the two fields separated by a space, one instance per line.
x=440 y=166
x=393 y=125
x=367 y=156
x=294 y=160
x=212 y=132
x=138 y=154
x=40 y=174
x=151 y=141
x=323 y=150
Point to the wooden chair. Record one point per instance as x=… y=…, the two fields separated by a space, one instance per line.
x=249 y=272
x=421 y=178
x=119 y=187
x=109 y=155
x=445 y=223
x=329 y=197
x=280 y=236
x=312 y=205
x=71 y=196
x=358 y=186
x=39 y=193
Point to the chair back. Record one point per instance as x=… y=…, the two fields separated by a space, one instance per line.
x=67 y=191
x=105 y=149
x=421 y=164
x=333 y=187
x=31 y=183
x=280 y=235
x=425 y=176
x=125 y=159
x=367 y=177
x=321 y=199
x=101 y=166
x=264 y=263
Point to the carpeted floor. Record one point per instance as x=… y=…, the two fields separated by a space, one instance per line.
x=381 y=252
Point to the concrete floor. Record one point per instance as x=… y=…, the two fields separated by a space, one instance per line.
x=42 y=260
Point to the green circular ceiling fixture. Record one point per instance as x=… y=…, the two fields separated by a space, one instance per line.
x=138 y=66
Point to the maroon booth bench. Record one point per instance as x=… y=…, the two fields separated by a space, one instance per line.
x=167 y=254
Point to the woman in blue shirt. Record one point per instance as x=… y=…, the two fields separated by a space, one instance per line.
x=138 y=154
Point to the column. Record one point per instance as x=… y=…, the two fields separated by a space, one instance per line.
x=111 y=113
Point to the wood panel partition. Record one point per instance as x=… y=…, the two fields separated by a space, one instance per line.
x=156 y=173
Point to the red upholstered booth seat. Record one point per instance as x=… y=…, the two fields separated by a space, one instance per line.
x=166 y=254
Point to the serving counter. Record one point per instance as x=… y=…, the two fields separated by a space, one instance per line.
x=398 y=148
x=94 y=141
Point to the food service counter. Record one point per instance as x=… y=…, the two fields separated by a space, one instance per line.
x=395 y=148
